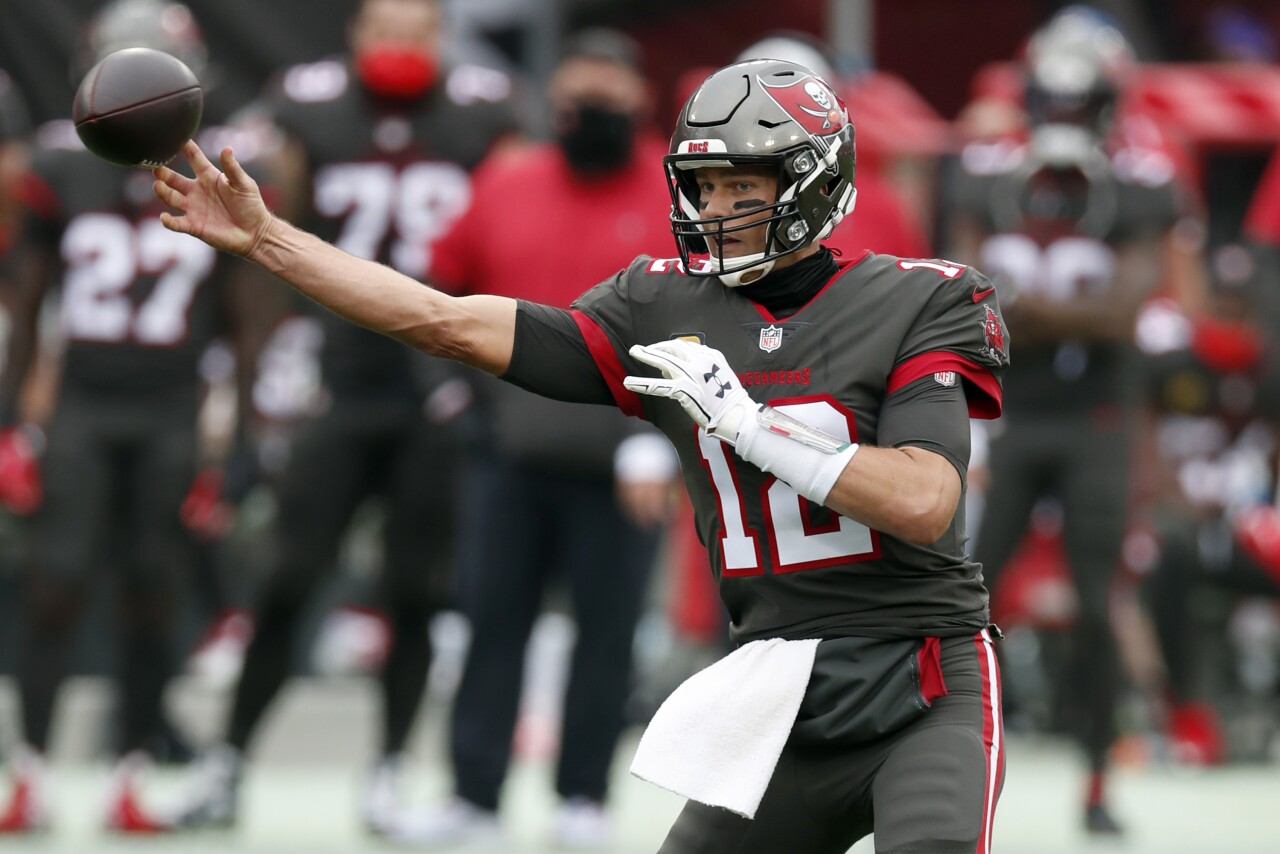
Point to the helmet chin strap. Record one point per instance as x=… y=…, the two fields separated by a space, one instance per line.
x=755 y=264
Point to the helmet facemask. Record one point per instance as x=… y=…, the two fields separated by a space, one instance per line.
x=814 y=177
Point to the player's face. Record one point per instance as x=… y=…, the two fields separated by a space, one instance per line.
x=397 y=23
x=736 y=191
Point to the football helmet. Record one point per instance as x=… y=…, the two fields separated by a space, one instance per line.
x=1076 y=65
x=157 y=24
x=770 y=113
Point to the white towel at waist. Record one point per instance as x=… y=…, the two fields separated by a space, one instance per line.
x=717 y=738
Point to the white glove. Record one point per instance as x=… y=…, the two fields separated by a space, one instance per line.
x=700 y=380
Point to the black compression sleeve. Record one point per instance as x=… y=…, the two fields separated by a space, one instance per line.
x=550 y=358
x=927 y=414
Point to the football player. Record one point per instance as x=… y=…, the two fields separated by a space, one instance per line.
x=383 y=142
x=1070 y=227
x=138 y=307
x=820 y=411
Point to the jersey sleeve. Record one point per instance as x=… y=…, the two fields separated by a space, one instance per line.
x=959 y=334
x=550 y=357
x=604 y=316
x=929 y=413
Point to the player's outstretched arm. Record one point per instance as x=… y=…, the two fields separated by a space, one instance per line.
x=224 y=208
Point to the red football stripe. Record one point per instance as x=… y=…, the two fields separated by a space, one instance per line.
x=986 y=404
x=992 y=736
x=606 y=359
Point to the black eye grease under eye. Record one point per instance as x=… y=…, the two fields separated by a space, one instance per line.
x=748 y=204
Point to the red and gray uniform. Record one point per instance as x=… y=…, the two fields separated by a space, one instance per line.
x=890 y=352
x=139 y=304
x=388 y=179
x=1067 y=426
x=1137 y=200
x=883 y=332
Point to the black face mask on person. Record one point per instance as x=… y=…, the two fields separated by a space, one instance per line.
x=596 y=139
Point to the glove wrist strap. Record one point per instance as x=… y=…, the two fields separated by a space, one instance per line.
x=804 y=457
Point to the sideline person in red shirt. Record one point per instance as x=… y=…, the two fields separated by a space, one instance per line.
x=546 y=478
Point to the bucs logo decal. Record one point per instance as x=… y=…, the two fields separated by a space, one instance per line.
x=812 y=103
x=993 y=332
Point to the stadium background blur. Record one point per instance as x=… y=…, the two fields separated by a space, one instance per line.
x=913 y=70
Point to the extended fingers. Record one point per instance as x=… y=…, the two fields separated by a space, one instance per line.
x=649 y=385
x=196 y=158
x=175 y=223
x=177 y=180
x=239 y=179
x=641 y=353
x=171 y=196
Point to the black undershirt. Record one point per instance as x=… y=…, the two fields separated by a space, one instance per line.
x=786 y=291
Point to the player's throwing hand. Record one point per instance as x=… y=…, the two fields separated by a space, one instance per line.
x=224 y=209
x=700 y=380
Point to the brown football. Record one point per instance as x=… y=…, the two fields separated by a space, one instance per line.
x=137 y=107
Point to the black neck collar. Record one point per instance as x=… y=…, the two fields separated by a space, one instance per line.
x=786 y=291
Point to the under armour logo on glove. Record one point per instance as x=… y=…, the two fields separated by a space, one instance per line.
x=710 y=377
x=717 y=403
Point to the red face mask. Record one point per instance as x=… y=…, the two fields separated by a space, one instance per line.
x=396 y=72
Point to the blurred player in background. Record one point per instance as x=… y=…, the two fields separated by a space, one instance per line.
x=1070 y=231
x=1215 y=405
x=834 y=522
x=544 y=500
x=138 y=308
x=383 y=141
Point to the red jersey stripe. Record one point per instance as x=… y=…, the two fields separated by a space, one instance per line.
x=987 y=403
x=606 y=359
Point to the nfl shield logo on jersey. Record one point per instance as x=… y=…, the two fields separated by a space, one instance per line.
x=770 y=338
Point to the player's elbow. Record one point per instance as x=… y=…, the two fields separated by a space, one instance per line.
x=442 y=334
x=476 y=331
x=924 y=518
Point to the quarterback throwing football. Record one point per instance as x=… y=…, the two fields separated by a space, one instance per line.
x=820 y=410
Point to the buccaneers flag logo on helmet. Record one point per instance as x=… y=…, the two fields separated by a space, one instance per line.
x=812 y=103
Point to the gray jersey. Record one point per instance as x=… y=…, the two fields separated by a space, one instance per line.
x=787 y=567
x=1058 y=238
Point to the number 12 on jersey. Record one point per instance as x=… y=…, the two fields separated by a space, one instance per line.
x=794 y=543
